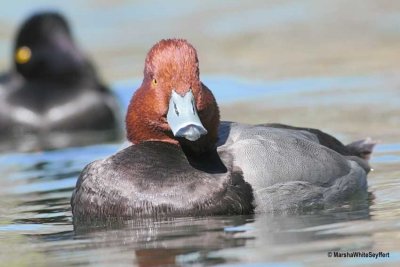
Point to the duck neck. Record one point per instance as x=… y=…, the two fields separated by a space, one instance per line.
x=207 y=160
x=199 y=147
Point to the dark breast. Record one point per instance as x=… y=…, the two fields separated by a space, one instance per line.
x=156 y=179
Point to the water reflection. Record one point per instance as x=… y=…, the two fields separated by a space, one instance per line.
x=210 y=240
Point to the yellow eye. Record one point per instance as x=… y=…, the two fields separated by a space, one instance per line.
x=154 y=82
x=23 y=55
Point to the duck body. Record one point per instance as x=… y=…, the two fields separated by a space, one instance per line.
x=52 y=96
x=157 y=179
x=289 y=169
x=256 y=168
x=185 y=162
x=51 y=106
x=46 y=114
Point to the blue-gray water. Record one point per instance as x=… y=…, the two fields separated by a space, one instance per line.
x=316 y=63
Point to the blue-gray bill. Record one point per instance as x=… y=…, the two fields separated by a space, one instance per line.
x=182 y=117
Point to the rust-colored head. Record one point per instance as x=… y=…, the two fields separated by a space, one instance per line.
x=170 y=65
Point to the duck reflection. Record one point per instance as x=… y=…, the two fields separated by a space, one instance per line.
x=215 y=240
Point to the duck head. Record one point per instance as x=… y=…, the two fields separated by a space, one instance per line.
x=44 y=49
x=172 y=105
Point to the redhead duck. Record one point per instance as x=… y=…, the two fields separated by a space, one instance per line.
x=52 y=96
x=183 y=161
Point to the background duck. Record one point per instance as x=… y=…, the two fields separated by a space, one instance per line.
x=185 y=162
x=52 y=96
